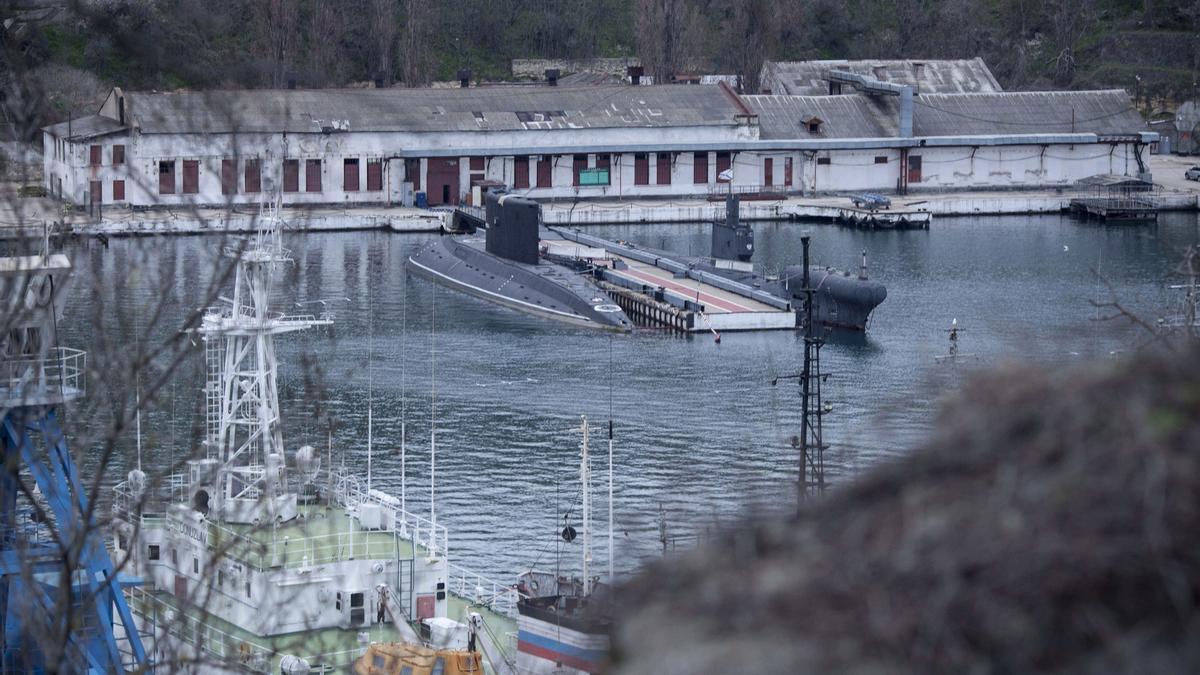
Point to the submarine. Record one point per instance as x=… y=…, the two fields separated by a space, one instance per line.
x=506 y=267
x=840 y=299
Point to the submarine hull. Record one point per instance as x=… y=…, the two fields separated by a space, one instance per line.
x=545 y=291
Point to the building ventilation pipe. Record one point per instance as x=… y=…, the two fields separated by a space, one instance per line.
x=873 y=87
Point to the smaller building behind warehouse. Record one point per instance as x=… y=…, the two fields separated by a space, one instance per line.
x=849 y=127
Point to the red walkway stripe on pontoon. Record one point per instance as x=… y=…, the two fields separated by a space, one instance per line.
x=686 y=291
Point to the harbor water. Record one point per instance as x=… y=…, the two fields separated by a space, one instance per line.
x=701 y=436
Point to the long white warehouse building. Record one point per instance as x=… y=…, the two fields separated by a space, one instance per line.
x=383 y=146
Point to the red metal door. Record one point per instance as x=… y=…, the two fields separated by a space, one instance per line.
x=787 y=171
x=291 y=175
x=312 y=175
x=228 y=176
x=412 y=174
x=663 y=168
x=97 y=192
x=253 y=175
x=375 y=176
x=723 y=162
x=578 y=163
x=350 y=175
x=443 y=181
x=191 y=176
x=180 y=586
x=768 y=171
x=166 y=178
x=545 y=174
x=914 y=168
x=641 y=169
x=521 y=172
x=700 y=168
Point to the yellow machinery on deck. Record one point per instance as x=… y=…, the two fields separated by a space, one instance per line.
x=394 y=658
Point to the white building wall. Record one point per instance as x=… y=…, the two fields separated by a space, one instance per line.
x=847 y=170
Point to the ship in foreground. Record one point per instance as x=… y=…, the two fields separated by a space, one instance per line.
x=256 y=559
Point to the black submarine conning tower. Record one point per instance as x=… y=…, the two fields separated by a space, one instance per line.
x=731 y=238
x=512 y=227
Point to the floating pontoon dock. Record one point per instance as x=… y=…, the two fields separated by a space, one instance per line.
x=655 y=290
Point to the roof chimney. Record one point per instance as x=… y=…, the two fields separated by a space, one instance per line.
x=635 y=74
x=121 y=110
x=552 y=76
x=464 y=78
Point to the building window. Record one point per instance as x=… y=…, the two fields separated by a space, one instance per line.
x=822 y=161
x=477 y=163
x=247 y=589
x=118 y=190
x=97 y=192
x=545 y=172
x=578 y=163
x=768 y=171
x=663 y=168
x=154 y=552
x=191 y=176
x=603 y=161
x=122 y=542
x=521 y=172
x=881 y=160
x=723 y=164
x=253 y=175
x=350 y=175
x=787 y=171
x=291 y=175
x=312 y=175
x=641 y=169
x=94 y=156
x=175 y=557
x=375 y=176
x=166 y=178
x=814 y=127
x=195 y=565
x=118 y=155
x=229 y=176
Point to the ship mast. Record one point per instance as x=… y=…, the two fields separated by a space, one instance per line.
x=810 y=443
x=245 y=440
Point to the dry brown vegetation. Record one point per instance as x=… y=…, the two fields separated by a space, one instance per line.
x=1050 y=525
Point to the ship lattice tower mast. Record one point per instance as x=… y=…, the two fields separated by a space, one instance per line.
x=245 y=462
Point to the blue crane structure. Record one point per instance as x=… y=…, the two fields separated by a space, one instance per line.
x=61 y=601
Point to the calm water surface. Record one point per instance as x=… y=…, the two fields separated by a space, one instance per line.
x=700 y=432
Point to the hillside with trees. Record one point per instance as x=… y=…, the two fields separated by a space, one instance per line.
x=62 y=56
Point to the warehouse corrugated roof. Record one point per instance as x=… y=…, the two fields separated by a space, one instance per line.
x=936 y=76
x=474 y=109
x=85 y=127
x=1106 y=113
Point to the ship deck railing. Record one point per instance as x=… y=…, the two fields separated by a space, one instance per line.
x=211 y=643
x=257 y=545
x=265 y=546
x=55 y=378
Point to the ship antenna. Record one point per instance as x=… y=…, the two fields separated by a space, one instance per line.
x=585 y=478
x=433 y=423
x=370 y=388
x=404 y=411
x=611 y=554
